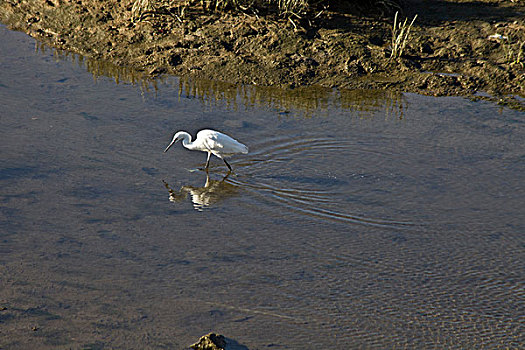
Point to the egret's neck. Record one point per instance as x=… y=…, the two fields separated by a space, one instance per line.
x=186 y=141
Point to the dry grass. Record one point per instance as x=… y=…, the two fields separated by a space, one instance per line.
x=140 y=7
x=291 y=7
x=400 y=33
x=286 y=8
x=514 y=51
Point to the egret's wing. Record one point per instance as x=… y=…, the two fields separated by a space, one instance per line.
x=213 y=141
x=221 y=144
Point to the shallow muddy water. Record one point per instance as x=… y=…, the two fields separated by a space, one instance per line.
x=358 y=219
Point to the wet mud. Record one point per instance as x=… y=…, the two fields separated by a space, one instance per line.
x=466 y=48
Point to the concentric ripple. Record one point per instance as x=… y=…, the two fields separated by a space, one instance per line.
x=281 y=173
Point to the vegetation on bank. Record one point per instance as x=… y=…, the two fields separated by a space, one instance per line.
x=453 y=47
x=400 y=36
x=299 y=9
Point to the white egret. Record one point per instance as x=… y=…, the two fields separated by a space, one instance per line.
x=211 y=141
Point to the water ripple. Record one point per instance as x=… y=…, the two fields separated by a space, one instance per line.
x=265 y=177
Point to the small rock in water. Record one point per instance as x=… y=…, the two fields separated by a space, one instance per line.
x=214 y=341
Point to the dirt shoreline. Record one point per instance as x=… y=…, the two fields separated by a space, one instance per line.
x=449 y=53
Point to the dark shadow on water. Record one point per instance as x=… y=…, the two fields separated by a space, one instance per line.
x=19 y=172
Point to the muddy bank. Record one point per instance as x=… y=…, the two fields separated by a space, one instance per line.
x=450 y=51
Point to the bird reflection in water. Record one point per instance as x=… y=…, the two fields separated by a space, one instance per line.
x=212 y=192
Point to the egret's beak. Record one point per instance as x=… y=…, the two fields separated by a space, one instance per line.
x=171 y=144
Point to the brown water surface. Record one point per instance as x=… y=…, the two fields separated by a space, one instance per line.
x=358 y=219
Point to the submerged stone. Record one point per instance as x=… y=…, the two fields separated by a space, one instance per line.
x=213 y=341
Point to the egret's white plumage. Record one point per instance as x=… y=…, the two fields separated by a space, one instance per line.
x=211 y=141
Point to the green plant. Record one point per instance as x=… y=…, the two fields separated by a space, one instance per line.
x=400 y=32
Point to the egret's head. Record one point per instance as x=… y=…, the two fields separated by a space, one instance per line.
x=176 y=137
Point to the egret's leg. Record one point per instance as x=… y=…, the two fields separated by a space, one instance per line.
x=228 y=165
x=227 y=175
x=208 y=161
